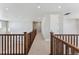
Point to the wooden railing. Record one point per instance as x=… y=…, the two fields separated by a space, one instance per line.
x=30 y=37
x=64 y=44
x=16 y=44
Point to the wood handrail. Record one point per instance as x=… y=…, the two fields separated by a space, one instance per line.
x=70 y=45
x=64 y=44
x=11 y=34
x=68 y=34
x=17 y=44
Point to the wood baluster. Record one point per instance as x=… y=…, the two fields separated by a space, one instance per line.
x=76 y=41
x=58 y=44
x=72 y=51
x=67 y=50
x=30 y=40
x=25 y=44
x=68 y=42
x=5 y=44
x=63 y=37
x=2 y=44
x=16 y=44
x=56 y=52
x=51 y=44
x=54 y=46
x=61 y=47
x=68 y=39
x=19 y=44
x=60 y=36
x=63 y=44
x=11 y=44
x=8 y=44
x=71 y=39
x=58 y=47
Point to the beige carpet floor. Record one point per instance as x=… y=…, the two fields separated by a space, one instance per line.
x=40 y=46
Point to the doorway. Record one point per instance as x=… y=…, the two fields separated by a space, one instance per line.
x=3 y=26
x=37 y=26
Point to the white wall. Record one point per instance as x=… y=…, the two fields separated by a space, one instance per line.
x=60 y=23
x=54 y=23
x=20 y=26
x=70 y=23
x=18 y=23
x=46 y=27
x=77 y=25
x=69 y=26
x=63 y=24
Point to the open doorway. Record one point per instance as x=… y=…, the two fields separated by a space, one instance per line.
x=37 y=26
x=3 y=26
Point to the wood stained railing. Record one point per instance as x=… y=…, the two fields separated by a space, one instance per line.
x=16 y=44
x=12 y=43
x=31 y=37
x=64 y=44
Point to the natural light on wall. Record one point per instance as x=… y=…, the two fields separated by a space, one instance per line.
x=0 y=25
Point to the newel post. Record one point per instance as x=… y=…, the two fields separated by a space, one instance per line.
x=51 y=43
x=25 y=43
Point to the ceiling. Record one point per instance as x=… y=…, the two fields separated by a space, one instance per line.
x=30 y=9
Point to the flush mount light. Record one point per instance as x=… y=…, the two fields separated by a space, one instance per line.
x=38 y=6
x=6 y=8
x=59 y=6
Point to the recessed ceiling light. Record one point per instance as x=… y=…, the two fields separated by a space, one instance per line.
x=38 y=6
x=59 y=6
x=6 y=8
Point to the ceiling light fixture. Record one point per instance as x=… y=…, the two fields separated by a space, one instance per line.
x=59 y=6
x=38 y=6
x=6 y=8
